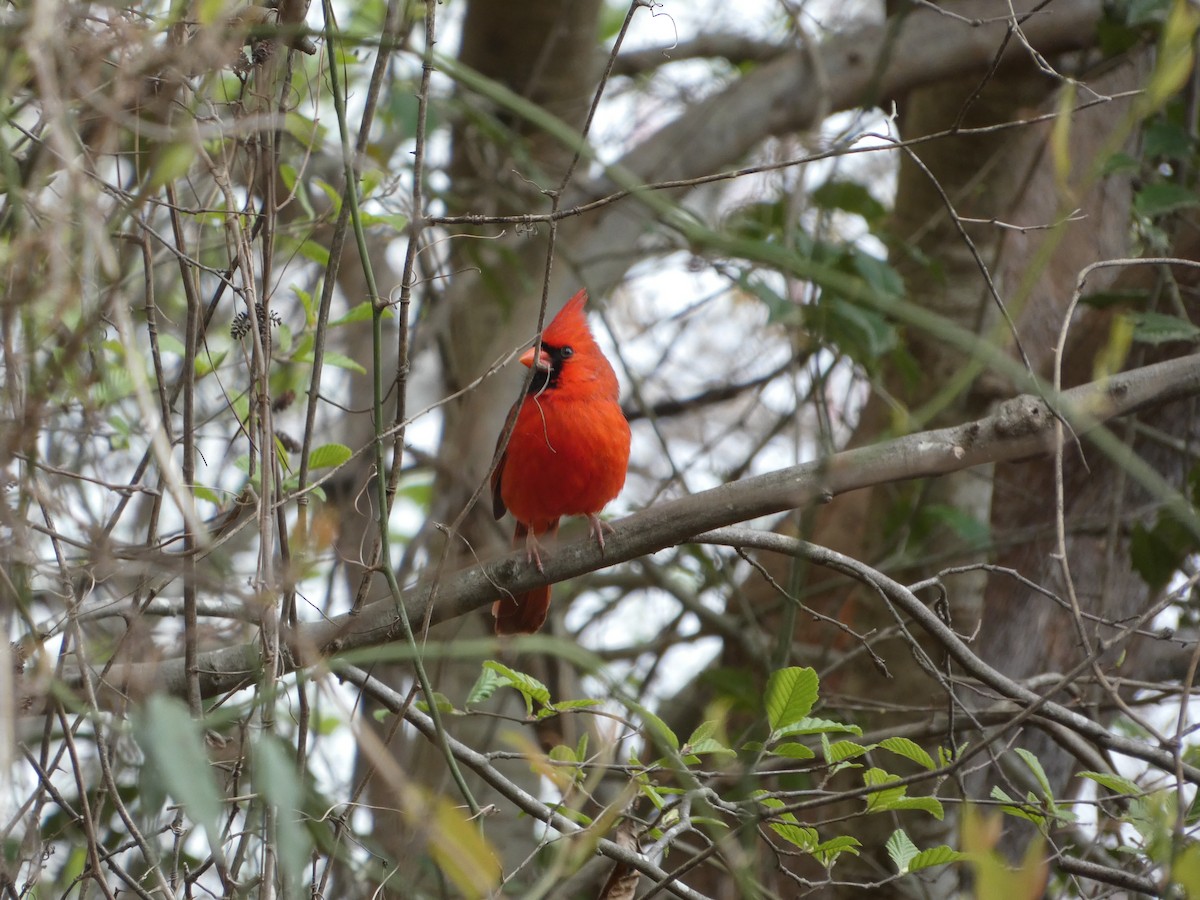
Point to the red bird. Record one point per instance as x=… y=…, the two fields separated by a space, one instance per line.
x=567 y=455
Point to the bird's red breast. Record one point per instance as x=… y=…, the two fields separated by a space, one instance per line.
x=569 y=448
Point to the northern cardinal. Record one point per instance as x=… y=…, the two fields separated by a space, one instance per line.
x=567 y=455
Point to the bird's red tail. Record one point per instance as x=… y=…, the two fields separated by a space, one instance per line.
x=523 y=613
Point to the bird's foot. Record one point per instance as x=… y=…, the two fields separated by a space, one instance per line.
x=599 y=527
x=532 y=551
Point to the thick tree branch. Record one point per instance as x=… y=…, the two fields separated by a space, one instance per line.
x=1021 y=428
x=861 y=67
x=737 y=48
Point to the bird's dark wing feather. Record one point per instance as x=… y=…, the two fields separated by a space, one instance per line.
x=498 y=507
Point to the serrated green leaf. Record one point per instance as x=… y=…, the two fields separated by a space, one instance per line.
x=485 y=685
x=934 y=856
x=651 y=793
x=799 y=835
x=654 y=726
x=791 y=750
x=895 y=798
x=327 y=456
x=1115 y=783
x=528 y=686
x=910 y=750
x=809 y=725
x=840 y=751
x=791 y=695
x=931 y=805
x=901 y=850
x=703 y=731
x=584 y=703
x=1039 y=773
x=1010 y=807
x=827 y=852
x=710 y=746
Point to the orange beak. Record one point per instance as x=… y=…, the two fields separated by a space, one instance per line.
x=541 y=360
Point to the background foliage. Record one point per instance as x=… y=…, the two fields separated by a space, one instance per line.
x=902 y=297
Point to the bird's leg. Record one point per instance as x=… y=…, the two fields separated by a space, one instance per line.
x=598 y=527
x=532 y=546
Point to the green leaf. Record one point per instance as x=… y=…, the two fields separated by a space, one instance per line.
x=337 y=360
x=827 y=852
x=1026 y=812
x=1120 y=162
x=168 y=343
x=1185 y=871
x=934 y=856
x=799 y=835
x=895 y=798
x=567 y=705
x=902 y=746
x=840 y=751
x=206 y=493
x=1157 y=552
x=792 y=751
x=1159 y=328
x=703 y=732
x=1039 y=773
x=791 y=694
x=443 y=704
x=931 y=805
x=786 y=825
x=1165 y=139
x=817 y=726
x=528 y=686
x=485 y=685
x=849 y=196
x=882 y=800
x=276 y=778
x=176 y=758
x=206 y=363
x=901 y=850
x=1163 y=197
x=655 y=727
x=327 y=456
x=460 y=850
x=362 y=312
x=1115 y=783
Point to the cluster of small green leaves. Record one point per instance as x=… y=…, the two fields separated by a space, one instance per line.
x=789 y=700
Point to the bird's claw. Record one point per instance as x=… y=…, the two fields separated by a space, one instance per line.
x=532 y=554
x=598 y=527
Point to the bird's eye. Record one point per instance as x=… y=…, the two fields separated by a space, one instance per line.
x=567 y=351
